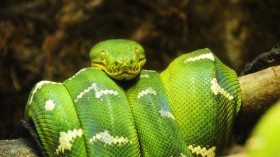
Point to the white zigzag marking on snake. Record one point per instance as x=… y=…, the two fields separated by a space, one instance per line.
x=39 y=86
x=49 y=105
x=203 y=151
x=81 y=71
x=93 y=86
x=203 y=56
x=66 y=138
x=146 y=91
x=216 y=88
x=98 y=93
x=166 y=114
x=107 y=138
x=77 y=73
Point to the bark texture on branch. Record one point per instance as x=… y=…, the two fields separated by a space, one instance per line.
x=259 y=91
x=17 y=148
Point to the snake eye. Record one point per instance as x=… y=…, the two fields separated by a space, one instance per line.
x=116 y=63
x=137 y=51
x=102 y=55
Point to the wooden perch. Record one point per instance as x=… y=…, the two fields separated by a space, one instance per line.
x=17 y=148
x=259 y=91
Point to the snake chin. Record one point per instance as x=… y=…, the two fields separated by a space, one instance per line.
x=123 y=73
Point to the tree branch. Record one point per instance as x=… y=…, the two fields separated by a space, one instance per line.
x=17 y=148
x=260 y=90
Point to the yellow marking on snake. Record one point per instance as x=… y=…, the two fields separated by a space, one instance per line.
x=98 y=93
x=49 y=105
x=66 y=138
x=216 y=88
x=166 y=114
x=146 y=91
x=108 y=139
x=39 y=86
x=203 y=56
x=203 y=151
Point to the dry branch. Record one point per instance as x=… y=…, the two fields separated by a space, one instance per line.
x=17 y=148
x=260 y=90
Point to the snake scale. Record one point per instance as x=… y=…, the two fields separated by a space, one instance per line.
x=115 y=108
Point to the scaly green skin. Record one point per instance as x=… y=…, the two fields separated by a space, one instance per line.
x=53 y=113
x=99 y=110
x=154 y=121
x=91 y=114
x=204 y=97
x=265 y=139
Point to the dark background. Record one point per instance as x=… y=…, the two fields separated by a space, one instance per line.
x=51 y=39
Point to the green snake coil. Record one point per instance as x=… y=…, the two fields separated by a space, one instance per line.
x=117 y=109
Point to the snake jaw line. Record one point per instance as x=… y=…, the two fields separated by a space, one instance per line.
x=123 y=72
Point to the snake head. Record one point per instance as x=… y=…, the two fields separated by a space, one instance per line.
x=121 y=59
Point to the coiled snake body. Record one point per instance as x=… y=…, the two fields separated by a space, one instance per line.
x=116 y=109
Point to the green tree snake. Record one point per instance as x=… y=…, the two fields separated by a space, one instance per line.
x=115 y=108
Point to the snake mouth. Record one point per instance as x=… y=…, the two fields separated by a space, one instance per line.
x=119 y=73
x=124 y=72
